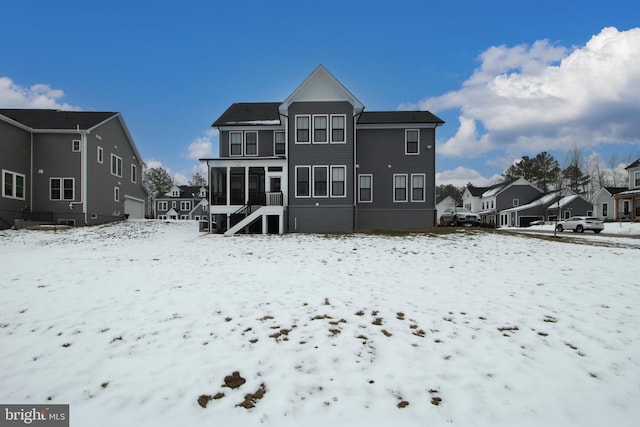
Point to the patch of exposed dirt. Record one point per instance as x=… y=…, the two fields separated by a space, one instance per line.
x=234 y=380
x=251 y=399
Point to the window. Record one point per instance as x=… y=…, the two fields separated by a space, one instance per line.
x=417 y=187
x=116 y=194
x=163 y=206
x=116 y=165
x=516 y=202
x=320 y=129
x=13 y=185
x=637 y=179
x=235 y=143
x=320 y=175
x=337 y=129
x=251 y=143
x=185 y=205
x=279 y=143
x=338 y=181
x=365 y=188
x=134 y=173
x=100 y=155
x=399 y=188
x=605 y=210
x=302 y=181
x=61 y=188
x=302 y=129
x=75 y=146
x=412 y=140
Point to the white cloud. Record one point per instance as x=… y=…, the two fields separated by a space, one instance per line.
x=461 y=176
x=203 y=146
x=43 y=96
x=545 y=97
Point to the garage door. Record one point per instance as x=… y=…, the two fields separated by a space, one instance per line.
x=134 y=208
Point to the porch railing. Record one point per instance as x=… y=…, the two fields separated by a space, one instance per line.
x=274 y=198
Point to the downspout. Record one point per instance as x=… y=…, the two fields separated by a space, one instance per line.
x=31 y=178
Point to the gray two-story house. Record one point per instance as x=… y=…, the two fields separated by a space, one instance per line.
x=318 y=162
x=183 y=202
x=68 y=167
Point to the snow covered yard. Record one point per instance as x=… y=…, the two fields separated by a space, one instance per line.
x=145 y=323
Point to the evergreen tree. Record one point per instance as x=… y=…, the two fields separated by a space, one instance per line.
x=542 y=170
x=158 y=181
x=198 y=180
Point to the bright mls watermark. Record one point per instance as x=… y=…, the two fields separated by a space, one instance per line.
x=34 y=415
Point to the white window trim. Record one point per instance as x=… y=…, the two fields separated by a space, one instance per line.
x=284 y=134
x=406 y=142
x=359 y=183
x=116 y=194
x=339 y=196
x=100 y=155
x=406 y=187
x=121 y=165
x=636 y=177
x=309 y=129
x=241 y=143
x=424 y=187
x=13 y=186
x=74 y=143
x=163 y=206
x=134 y=173
x=516 y=202
x=245 y=143
x=185 y=205
x=326 y=129
x=296 y=182
x=344 y=134
x=313 y=181
x=62 y=198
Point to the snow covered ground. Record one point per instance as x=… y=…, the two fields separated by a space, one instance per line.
x=139 y=323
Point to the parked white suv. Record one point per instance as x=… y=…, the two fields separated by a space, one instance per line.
x=581 y=223
x=458 y=216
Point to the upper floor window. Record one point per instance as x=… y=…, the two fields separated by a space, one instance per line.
x=116 y=165
x=365 y=188
x=637 y=179
x=235 y=143
x=13 y=185
x=516 y=202
x=185 y=205
x=337 y=128
x=163 y=206
x=320 y=129
x=412 y=141
x=251 y=143
x=338 y=181
x=134 y=173
x=61 y=188
x=302 y=129
x=75 y=145
x=417 y=187
x=400 y=188
x=279 y=145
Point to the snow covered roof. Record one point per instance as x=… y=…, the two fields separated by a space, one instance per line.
x=544 y=200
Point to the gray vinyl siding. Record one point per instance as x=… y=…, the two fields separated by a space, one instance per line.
x=100 y=200
x=381 y=153
x=524 y=193
x=318 y=214
x=15 y=146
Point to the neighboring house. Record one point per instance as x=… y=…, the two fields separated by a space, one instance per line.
x=444 y=203
x=68 y=167
x=604 y=202
x=545 y=208
x=489 y=202
x=317 y=162
x=628 y=202
x=569 y=205
x=183 y=202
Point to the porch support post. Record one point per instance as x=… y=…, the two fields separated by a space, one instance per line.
x=281 y=223
x=228 y=185
x=264 y=224
x=246 y=185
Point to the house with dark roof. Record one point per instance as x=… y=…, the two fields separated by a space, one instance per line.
x=183 y=202
x=604 y=202
x=318 y=162
x=627 y=203
x=68 y=167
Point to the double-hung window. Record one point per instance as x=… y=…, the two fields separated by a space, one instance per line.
x=235 y=143
x=338 y=181
x=303 y=176
x=412 y=141
x=417 y=187
x=279 y=143
x=116 y=165
x=185 y=205
x=13 y=185
x=251 y=143
x=320 y=176
x=61 y=188
x=302 y=129
x=163 y=206
x=320 y=129
x=400 y=188
x=338 y=129
x=637 y=179
x=365 y=188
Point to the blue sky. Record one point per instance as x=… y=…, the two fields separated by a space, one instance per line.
x=510 y=78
